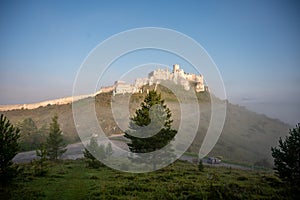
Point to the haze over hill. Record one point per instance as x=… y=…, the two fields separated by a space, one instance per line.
x=247 y=136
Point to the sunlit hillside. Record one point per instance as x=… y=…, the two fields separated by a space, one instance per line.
x=246 y=138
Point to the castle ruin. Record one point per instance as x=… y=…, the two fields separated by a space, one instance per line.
x=178 y=76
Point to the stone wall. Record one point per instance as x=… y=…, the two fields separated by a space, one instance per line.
x=178 y=76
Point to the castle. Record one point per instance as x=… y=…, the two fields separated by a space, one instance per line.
x=178 y=76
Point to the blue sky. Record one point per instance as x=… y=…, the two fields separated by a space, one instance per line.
x=255 y=45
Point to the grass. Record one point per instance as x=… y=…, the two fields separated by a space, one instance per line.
x=181 y=180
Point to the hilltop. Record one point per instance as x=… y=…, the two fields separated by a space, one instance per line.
x=246 y=138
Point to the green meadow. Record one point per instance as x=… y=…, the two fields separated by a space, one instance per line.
x=72 y=179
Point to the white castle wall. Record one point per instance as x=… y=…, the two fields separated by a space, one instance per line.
x=177 y=75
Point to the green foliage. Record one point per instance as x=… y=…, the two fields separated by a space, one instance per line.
x=94 y=149
x=27 y=127
x=30 y=136
x=108 y=150
x=287 y=157
x=55 y=142
x=181 y=180
x=200 y=166
x=263 y=163
x=153 y=112
x=233 y=144
x=40 y=164
x=9 y=147
x=95 y=152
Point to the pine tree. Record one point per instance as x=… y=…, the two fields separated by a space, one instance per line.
x=156 y=117
x=27 y=127
x=55 y=142
x=200 y=165
x=287 y=157
x=108 y=150
x=9 y=147
x=93 y=152
x=40 y=164
x=30 y=138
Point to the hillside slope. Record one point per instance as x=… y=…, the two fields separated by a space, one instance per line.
x=247 y=137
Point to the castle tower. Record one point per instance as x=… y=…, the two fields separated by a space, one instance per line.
x=176 y=68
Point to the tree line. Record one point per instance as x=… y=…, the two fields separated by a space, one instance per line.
x=49 y=144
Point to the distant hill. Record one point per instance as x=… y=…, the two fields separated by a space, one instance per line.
x=247 y=137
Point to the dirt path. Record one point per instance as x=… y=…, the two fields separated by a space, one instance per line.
x=75 y=151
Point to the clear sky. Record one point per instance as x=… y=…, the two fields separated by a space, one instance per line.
x=255 y=45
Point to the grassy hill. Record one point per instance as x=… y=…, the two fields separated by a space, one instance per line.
x=246 y=138
x=181 y=180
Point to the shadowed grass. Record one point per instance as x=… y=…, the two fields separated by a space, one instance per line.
x=181 y=180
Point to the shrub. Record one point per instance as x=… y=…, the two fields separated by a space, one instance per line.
x=200 y=166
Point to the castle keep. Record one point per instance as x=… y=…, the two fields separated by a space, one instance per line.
x=178 y=76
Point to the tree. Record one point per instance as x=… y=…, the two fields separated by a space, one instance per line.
x=93 y=152
x=108 y=150
x=150 y=130
x=9 y=147
x=40 y=165
x=287 y=157
x=200 y=165
x=55 y=142
x=30 y=137
x=27 y=127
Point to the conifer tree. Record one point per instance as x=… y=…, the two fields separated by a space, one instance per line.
x=287 y=157
x=55 y=142
x=200 y=165
x=9 y=147
x=93 y=152
x=27 y=127
x=156 y=117
x=30 y=136
x=108 y=150
x=40 y=164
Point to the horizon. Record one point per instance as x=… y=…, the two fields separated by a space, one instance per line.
x=254 y=44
